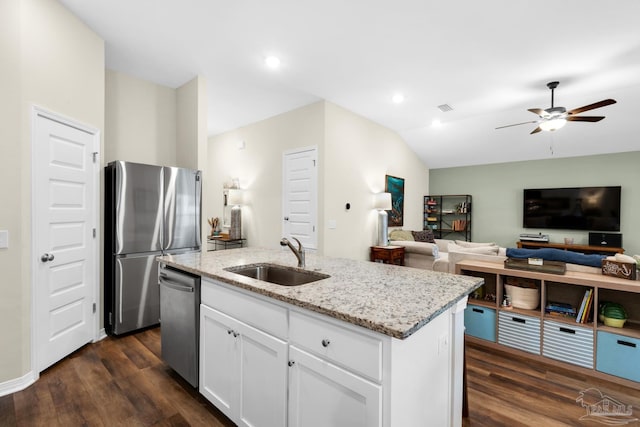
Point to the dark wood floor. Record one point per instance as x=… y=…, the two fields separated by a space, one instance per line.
x=123 y=382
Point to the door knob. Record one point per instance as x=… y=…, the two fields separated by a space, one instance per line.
x=46 y=257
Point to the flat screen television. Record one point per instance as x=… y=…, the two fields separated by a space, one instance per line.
x=578 y=208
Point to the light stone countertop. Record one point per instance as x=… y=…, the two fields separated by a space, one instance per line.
x=389 y=299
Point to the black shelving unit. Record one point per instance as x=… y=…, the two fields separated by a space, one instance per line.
x=448 y=216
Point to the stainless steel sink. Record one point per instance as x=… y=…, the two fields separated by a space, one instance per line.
x=280 y=275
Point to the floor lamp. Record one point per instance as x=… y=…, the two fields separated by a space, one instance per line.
x=383 y=204
x=235 y=200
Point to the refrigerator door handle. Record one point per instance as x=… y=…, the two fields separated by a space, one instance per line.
x=173 y=285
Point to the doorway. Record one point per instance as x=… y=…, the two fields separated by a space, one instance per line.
x=65 y=279
x=300 y=196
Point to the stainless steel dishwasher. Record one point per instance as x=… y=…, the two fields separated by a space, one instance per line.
x=179 y=321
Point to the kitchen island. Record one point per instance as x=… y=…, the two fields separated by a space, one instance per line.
x=372 y=345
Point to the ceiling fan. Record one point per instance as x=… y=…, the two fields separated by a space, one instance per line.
x=556 y=117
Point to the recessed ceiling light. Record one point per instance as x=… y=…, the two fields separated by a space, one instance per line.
x=272 y=62
x=398 y=98
x=436 y=123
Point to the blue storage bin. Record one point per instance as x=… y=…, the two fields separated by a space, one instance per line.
x=480 y=322
x=618 y=355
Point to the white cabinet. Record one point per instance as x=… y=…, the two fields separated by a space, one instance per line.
x=267 y=363
x=243 y=371
x=335 y=374
x=322 y=394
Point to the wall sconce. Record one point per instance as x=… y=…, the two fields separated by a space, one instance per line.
x=235 y=200
x=382 y=202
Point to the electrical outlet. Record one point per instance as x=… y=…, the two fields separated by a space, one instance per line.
x=4 y=239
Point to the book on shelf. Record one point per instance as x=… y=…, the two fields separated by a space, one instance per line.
x=587 y=308
x=582 y=306
x=560 y=308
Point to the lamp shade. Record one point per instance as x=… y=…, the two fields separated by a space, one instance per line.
x=235 y=197
x=382 y=201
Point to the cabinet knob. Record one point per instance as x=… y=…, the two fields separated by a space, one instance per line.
x=229 y=331
x=235 y=334
x=291 y=363
x=325 y=342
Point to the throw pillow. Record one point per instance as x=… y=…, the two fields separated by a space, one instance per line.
x=481 y=250
x=401 y=235
x=473 y=244
x=423 y=236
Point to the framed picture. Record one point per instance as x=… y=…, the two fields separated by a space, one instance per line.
x=395 y=186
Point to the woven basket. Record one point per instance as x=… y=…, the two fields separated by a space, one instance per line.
x=527 y=298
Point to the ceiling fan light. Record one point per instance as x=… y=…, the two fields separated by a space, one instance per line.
x=554 y=124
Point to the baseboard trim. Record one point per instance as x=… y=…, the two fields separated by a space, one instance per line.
x=17 y=384
x=102 y=334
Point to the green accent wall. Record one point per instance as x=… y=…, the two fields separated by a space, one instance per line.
x=497 y=193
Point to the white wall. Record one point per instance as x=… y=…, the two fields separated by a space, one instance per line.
x=259 y=168
x=358 y=155
x=13 y=283
x=54 y=61
x=497 y=193
x=140 y=119
x=354 y=154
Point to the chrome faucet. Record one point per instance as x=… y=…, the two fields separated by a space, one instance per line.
x=299 y=253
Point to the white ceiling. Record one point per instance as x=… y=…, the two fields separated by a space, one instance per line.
x=490 y=60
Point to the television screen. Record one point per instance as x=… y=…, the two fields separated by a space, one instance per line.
x=581 y=208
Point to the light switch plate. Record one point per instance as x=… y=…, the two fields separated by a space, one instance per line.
x=4 y=239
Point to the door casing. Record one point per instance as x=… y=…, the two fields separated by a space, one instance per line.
x=41 y=112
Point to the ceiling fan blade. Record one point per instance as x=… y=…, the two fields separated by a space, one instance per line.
x=536 y=130
x=517 y=124
x=584 y=118
x=593 y=106
x=538 y=111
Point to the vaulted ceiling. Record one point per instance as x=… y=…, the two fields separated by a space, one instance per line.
x=489 y=60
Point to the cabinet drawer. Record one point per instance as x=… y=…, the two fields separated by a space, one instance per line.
x=568 y=343
x=358 y=351
x=249 y=309
x=480 y=322
x=618 y=355
x=519 y=331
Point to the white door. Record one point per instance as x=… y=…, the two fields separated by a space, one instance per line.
x=263 y=372
x=299 y=196
x=322 y=394
x=64 y=243
x=243 y=371
x=219 y=370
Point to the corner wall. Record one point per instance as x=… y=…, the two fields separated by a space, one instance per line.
x=54 y=61
x=354 y=154
x=259 y=168
x=497 y=193
x=140 y=119
x=358 y=155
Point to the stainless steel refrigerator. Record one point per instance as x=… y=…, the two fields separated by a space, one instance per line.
x=149 y=211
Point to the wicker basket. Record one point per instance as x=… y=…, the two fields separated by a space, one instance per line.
x=527 y=298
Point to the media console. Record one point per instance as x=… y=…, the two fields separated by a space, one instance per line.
x=590 y=348
x=585 y=249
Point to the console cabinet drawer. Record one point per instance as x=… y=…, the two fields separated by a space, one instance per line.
x=519 y=331
x=618 y=355
x=568 y=343
x=480 y=322
x=357 y=351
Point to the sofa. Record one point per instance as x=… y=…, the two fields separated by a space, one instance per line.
x=422 y=250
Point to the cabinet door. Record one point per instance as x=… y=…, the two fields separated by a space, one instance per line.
x=219 y=367
x=321 y=394
x=263 y=379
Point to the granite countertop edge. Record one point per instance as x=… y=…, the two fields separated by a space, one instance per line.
x=400 y=321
